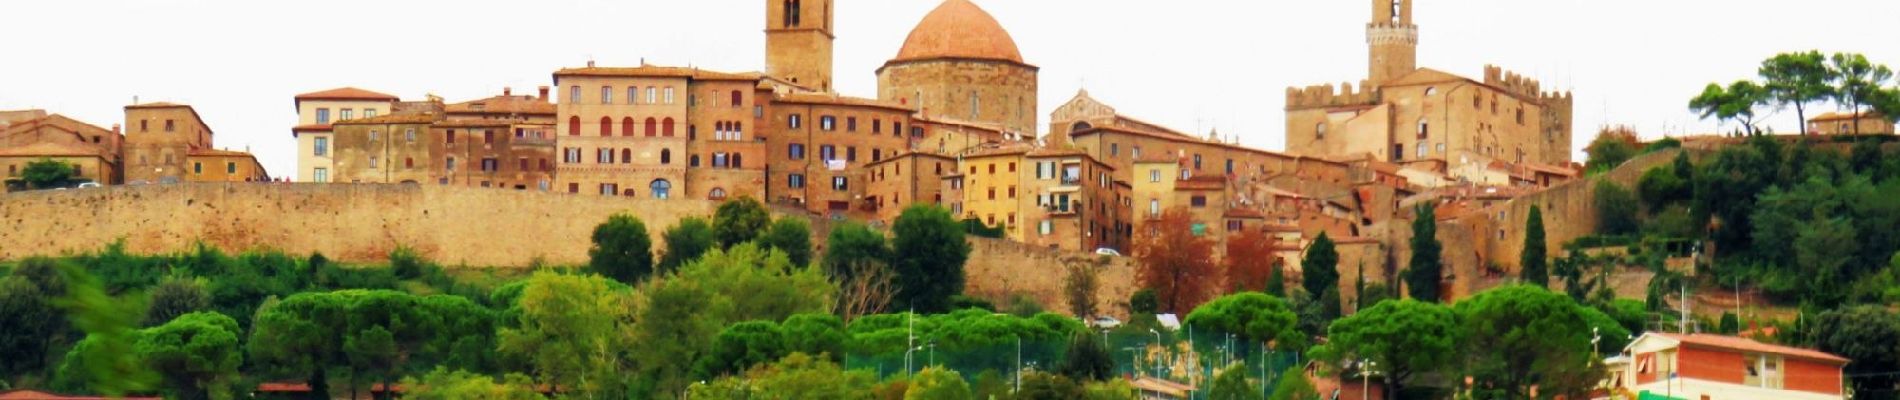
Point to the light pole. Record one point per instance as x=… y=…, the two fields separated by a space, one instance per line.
x=1365 y=378
x=1132 y=363
x=1019 y=361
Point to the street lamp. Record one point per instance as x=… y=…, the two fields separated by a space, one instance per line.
x=1365 y=378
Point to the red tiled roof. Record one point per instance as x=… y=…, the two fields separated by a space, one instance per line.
x=834 y=99
x=343 y=94
x=51 y=149
x=959 y=29
x=1741 y=344
x=657 y=71
x=1200 y=184
x=283 y=387
x=160 y=104
x=28 y=394
x=503 y=105
x=411 y=118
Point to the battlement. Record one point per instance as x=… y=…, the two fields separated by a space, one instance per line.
x=1331 y=96
x=1512 y=82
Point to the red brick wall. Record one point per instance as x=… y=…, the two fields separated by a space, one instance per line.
x=1809 y=376
x=1711 y=365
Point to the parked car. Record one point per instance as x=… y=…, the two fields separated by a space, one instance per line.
x=1108 y=252
x=88 y=185
x=1105 y=322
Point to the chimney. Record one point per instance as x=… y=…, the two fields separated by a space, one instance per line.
x=544 y=94
x=590 y=63
x=115 y=129
x=507 y=91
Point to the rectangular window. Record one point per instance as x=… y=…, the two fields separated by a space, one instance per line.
x=372 y=162
x=606 y=95
x=230 y=168
x=1114 y=149
x=877 y=126
x=369 y=113
x=1136 y=152
x=851 y=124
x=1154 y=175
x=1154 y=207
x=1198 y=201
x=651 y=98
x=449 y=164
x=488 y=137
x=604 y=156
x=1012 y=191
x=571 y=155
x=323 y=117
x=840 y=183
x=574 y=188
x=669 y=95
x=851 y=153
x=320 y=146
x=320 y=175
x=374 y=135
x=346 y=114
x=828 y=123
x=169 y=126
x=1421 y=150
x=574 y=95
x=795 y=181
x=449 y=137
x=410 y=134
x=792 y=121
x=827 y=153
x=796 y=151
x=609 y=189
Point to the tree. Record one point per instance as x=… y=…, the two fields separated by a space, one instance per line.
x=1250 y=260
x=741 y=346
x=791 y=236
x=30 y=320
x=1088 y=359
x=1080 y=284
x=1320 y=271
x=571 y=331
x=1612 y=146
x=444 y=384
x=797 y=376
x=680 y=316
x=1045 y=386
x=851 y=245
x=1116 y=389
x=108 y=364
x=685 y=241
x=175 y=297
x=47 y=173
x=929 y=252
x=1522 y=336
x=622 y=250
x=1253 y=317
x=1534 y=261
x=816 y=334
x=1232 y=384
x=1736 y=102
x=1616 y=209
x=1276 y=280
x=1423 y=274
x=739 y=220
x=937 y=383
x=868 y=291
x=197 y=354
x=1729 y=324
x=1857 y=82
x=1866 y=335
x=1175 y=264
x=1797 y=79
x=1405 y=338
x=1660 y=186
x=1294 y=386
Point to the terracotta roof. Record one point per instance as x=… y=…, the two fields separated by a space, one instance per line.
x=835 y=99
x=958 y=29
x=411 y=118
x=1838 y=116
x=343 y=94
x=1011 y=149
x=1191 y=140
x=1162 y=158
x=28 y=394
x=52 y=149
x=658 y=71
x=1197 y=184
x=1355 y=240
x=909 y=153
x=1054 y=152
x=503 y=105
x=311 y=128
x=1736 y=343
x=219 y=153
x=160 y=104
x=283 y=387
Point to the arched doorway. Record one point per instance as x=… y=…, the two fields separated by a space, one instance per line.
x=661 y=188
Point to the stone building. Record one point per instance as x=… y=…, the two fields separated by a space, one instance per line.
x=819 y=147
x=492 y=153
x=960 y=63
x=389 y=148
x=1843 y=123
x=213 y=165
x=624 y=131
x=908 y=178
x=1046 y=197
x=537 y=109
x=93 y=151
x=170 y=143
x=798 y=37
x=316 y=111
x=1402 y=113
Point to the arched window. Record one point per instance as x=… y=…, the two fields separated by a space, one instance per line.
x=692 y=160
x=1424 y=128
x=661 y=188
x=626 y=156
x=1080 y=126
x=667 y=127
x=653 y=125
x=574 y=126
x=606 y=126
x=1431 y=91
x=738 y=131
x=1398 y=7
x=737 y=98
x=626 y=126
x=666 y=156
x=1319 y=131
x=716 y=194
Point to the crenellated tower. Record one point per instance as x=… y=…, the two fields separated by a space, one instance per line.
x=1392 y=40
x=798 y=39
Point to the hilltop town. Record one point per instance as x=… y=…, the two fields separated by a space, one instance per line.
x=1413 y=183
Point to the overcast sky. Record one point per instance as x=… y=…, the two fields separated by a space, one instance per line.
x=1190 y=64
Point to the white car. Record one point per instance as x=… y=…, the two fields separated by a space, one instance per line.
x=1108 y=252
x=88 y=185
x=1105 y=322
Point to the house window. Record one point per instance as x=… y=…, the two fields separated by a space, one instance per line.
x=796 y=151
x=827 y=152
x=1441 y=148
x=633 y=95
x=626 y=155
x=369 y=113
x=719 y=160
x=1520 y=116
x=851 y=124
x=1012 y=167
x=169 y=125
x=1424 y=128
x=320 y=146
x=606 y=95
x=717 y=193
x=323 y=117
x=840 y=183
x=320 y=175
x=827 y=123
x=992 y=192
x=666 y=127
x=651 y=98
x=1421 y=150
x=795 y=181
x=666 y=156
x=1136 y=152
x=626 y=126
x=877 y=126
x=1012 y=191
x=573 y=128
x=1154 y=207
x=669 y=95
x=609 y=189
x=661 y=188
x=573 y=94
x=792 y=121
x=604 y=156
x=491 y=165
x=449 y=165
x=372 y=164
x=736 y=100
x=1114 y=149
x=1045 y=227
x=653 y=126
x=409 y=163
x=409 y=134
x=571 y=155
x=1198 y=201
x=1234 y=225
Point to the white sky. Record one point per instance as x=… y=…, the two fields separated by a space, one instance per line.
x=1189 y=64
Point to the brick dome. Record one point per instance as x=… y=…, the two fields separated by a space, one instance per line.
x=959 y=29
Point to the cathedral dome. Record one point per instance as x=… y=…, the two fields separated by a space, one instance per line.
x=959 y=29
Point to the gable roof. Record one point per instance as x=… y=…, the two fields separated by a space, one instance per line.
x=52 y=149
x=657 y=71
x=342 y=94
x=1731 y=343
x=503 y=105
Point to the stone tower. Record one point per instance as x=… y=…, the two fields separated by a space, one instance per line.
x=1393 y=41
x=798 y=36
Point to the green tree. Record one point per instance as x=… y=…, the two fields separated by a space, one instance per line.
x=197 y=354
x=1079 y=287
x=797 y=376
x=852 y=245
x=1405 y=338
x=1143 y=302
x=31 y=322
x=174 y=297
x=1253 y=317
x=1612 y=146
x=1857 y=82
x=740 y=220
x=444 y=384
x=681 y=315
x=622 y=250
x=1294 y=386
x=1522 y=336
x=1116 y=389
x=1797 y=79
x=1866 y=335
x=1088 y=359
x=741 y=346
x=47 y=174
x=1320 y=270
x=1276 y=281
x=1616 y=209
x=1535 y=260
x=1735 y=102
x=686 y=241
x=301 y=337
x=1425 y=271
x=1232 y=384
x=816 y=334
x=792 y=236
x=110 y=364
x=571 y=331
x=929 y=253
x=1729 y=324
x=937 y=383
x=1046 y=386
x=1659 y=186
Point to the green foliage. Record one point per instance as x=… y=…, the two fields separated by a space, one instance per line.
x=175 y=297
x=929 y=253
x=1254 y=317
x=851 y=246
x=1423 y=274
x=686 y=241
x=48 y=173
x=1616 y=209
x=1522 y=336
x=680 y=315
x=1535 y=260
x=1866 y=335
x=1143 y=302
x=1662 y=144
x=1730 y=324
x=405 y=263
x=740 y=346
x=1111 y=390
x=1320 y=268
x=197 y=354
x=797 y=376
x=791 y=236
x=1858 y=82
x=1405 y=338
x=816 y=334
x=1611 y=147
x=964 y=302
x=1079 y=286
x=108 y=365
x=739 y=220
x=1021 y=305
x=622 y=250
x=1660 y=186
x=1045 y=386
x=936 y=383
x=571 y=331
x=1294 y=386
x=1276 y=281
x=1797 y=79
x=444 y=384
x=1735 y=102
x=990 y=384
x=31 y=322
x=975 y=227
x=1232 y=384
x=1088 y=359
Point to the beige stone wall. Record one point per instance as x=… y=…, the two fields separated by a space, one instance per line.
x=1004 y=92
x=396 y=158
x=152 y=152
x=999 y=268
x=800 y=51
x=226 y=168
x=95 y=169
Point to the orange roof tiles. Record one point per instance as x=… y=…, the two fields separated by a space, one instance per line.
x=503 y=105
x=658 y=71
x=219 y=153
x=411 y=118
x=1736 y=343
x=835 y=99
x=52 y=149
x=345 y=93
x=958 y=29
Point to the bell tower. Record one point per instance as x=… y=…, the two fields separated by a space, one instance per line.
x=798 y=36
x=1393 y=41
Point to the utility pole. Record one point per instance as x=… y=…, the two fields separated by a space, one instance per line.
x=1682 y=322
